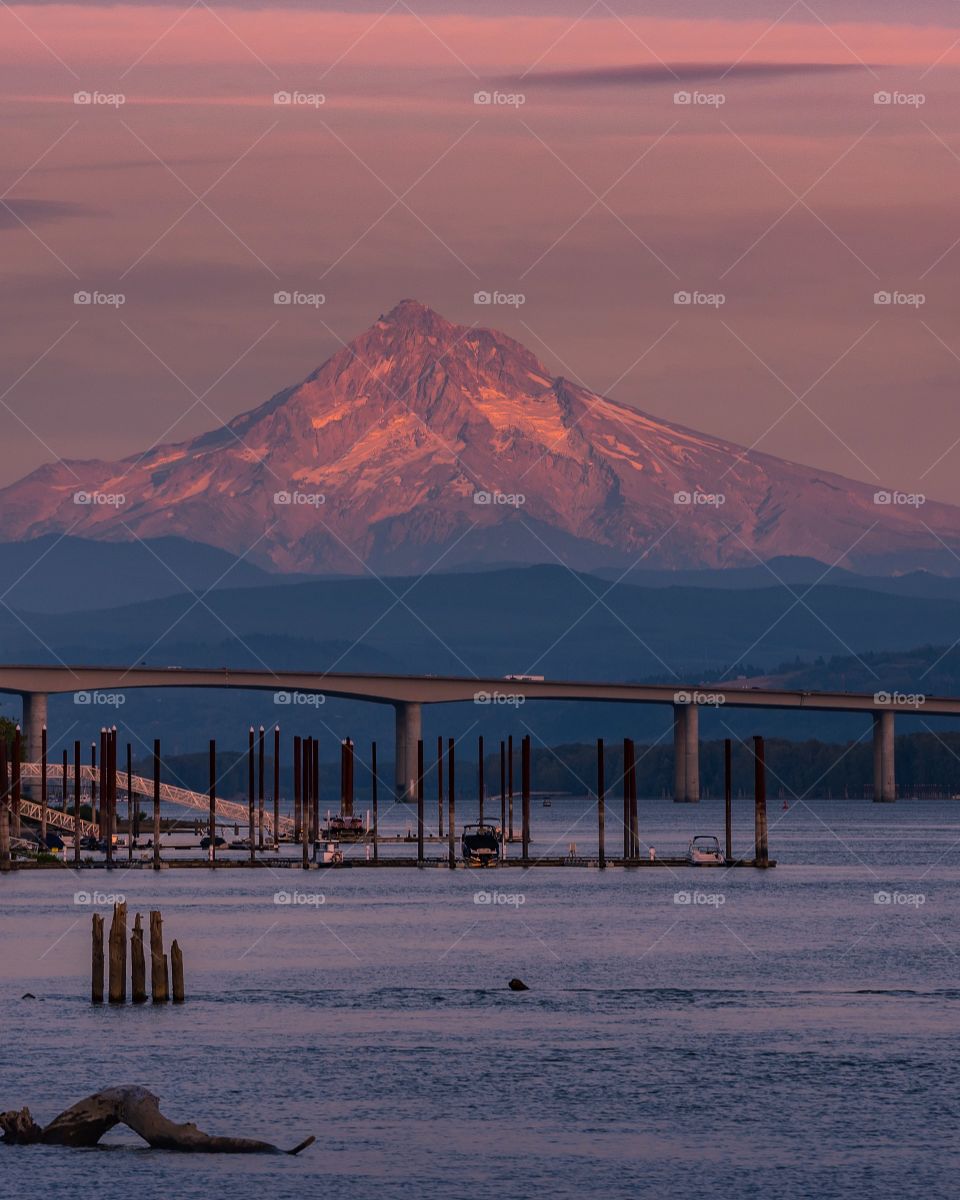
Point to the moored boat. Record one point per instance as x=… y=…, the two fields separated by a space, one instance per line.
x=704 y=849
x=480 y=845
x=343 y=829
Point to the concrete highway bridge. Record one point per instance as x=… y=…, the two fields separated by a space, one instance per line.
x=408 y=693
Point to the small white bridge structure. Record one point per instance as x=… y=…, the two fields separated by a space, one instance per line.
x=230 y=811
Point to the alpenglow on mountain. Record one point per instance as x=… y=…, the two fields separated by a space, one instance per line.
x=427 y=443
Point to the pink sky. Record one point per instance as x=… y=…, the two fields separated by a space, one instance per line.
x=700 y=197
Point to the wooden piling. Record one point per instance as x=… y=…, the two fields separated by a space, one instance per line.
x=76 y=804
x=351 y=772
x=156 y=806
x=305 y=801
x=297 y=799
x=525 y=796
x=96 y=972
x=6 y=860
x=451 y=805
x=138 y=966
x=176 y=971
x=480 y=787
x=634 y=829
x=65 y=804
x=315 y=786
x=212 y=812
x=373 y=801
x=113 y=782
x=760 y=803
x=420 y=803
x=350 y=769
x=503 y=791
x=118 y=955
x=95 y=816
x=440 y=786
x=133 y=807
x=158 y=960
x=625 y=780
x=600 y=802
x=276 y=787
x=251 y=808
x=312 y=777
x=15 y=780
x=728 y=796
x=105 y=798
x=43 y=785
x=261 y=767
x=510 y=788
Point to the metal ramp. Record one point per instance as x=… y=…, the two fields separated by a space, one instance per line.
x=229 y=810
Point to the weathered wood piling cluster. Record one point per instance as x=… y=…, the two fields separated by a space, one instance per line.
x=163 y=971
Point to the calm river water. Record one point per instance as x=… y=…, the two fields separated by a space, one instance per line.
x=792 y=1033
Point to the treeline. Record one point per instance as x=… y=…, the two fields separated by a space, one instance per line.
x=926 y=764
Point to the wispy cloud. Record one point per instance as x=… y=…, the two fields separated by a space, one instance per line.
x=653 y=74
x=37 y=211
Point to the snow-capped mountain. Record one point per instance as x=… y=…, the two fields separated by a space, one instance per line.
x=427 y=443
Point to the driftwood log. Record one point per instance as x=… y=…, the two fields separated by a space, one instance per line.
x=85 y=1123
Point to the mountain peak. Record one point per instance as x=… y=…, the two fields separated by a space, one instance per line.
x=414 y=314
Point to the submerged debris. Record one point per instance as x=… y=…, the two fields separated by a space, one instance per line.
x=86 y=1122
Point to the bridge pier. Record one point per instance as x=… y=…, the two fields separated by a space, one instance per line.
x=408 y=734
x=32 y=724
x=686 y=754
x=884 y=772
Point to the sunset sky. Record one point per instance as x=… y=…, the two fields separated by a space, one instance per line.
x=797 y=198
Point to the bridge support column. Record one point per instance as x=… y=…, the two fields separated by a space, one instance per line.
x=884 y=772
x=34 y=719
x=408 y=733
x=693 y=755
x=686 y=754
x=679 y=755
